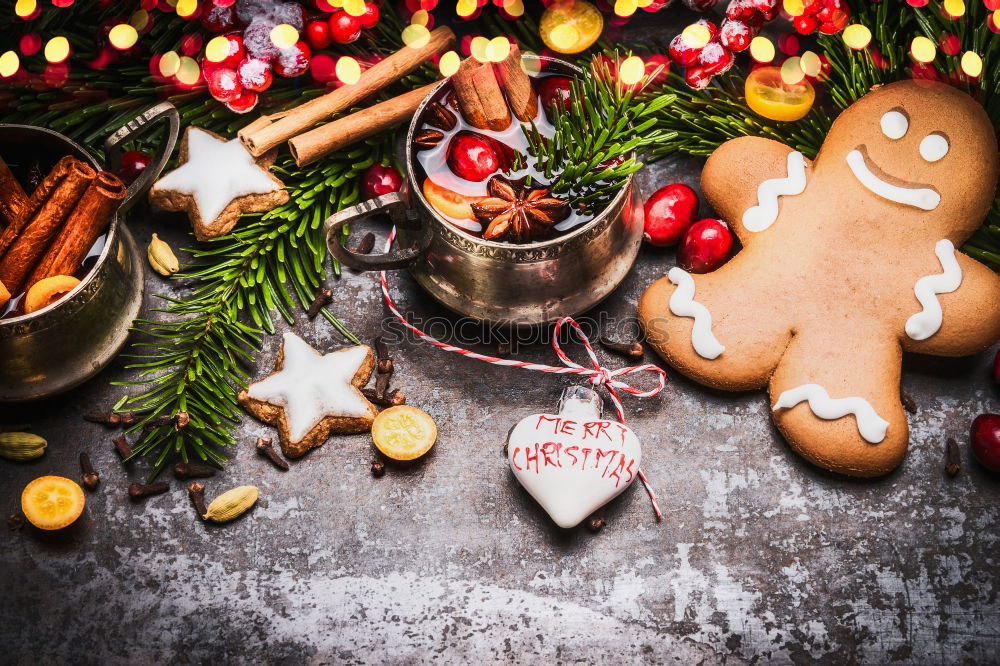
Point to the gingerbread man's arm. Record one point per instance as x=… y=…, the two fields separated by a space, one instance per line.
x=736 y=170
x=970 y=319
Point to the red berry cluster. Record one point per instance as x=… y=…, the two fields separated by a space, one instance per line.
x=253 y=58
x=827 y=16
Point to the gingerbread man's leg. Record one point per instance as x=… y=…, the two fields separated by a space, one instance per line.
x=835 y=396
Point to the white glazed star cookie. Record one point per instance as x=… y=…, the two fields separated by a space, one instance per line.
x=312 y=396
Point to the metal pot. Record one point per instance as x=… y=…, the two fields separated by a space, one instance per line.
x=56 y=348
x=502 y=283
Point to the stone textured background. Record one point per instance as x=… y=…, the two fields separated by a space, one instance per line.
x=760 y=557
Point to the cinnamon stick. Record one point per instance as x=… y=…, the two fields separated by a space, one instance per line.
x=13 y=200
x=85 y=224
x=4 y=296
x=516 y=85
x=312 y=145
x=479 y=96
x=268 y=131
x=32 y=243
x=38 y=197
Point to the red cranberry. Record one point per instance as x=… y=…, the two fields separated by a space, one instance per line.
x=735 y=35
x=236 y=52
x=224 y=84
x=257 y=39
x=370 y=18
x=133 y=164
x=697 y=78
x=344 y=28
x=554 y=89
x=380 y=179
x=986 y=441
x=705 y=246
x=245 y=102
x=682 y=52
x=255 y=74
x=293 y=61
x=318 y=34
x=812 y=7
x=218 y=19
x=471 y=156
x=716 y=59
x=669 y=213
x=767 y=8
x=740 y=10
x=805 y=24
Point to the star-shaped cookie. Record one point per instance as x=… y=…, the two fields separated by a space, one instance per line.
x=217 y=182
x=312 y=396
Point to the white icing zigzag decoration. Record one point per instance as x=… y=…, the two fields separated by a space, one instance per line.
x=682 y=304
x=871 y=426
x=927 y=322
x=920 y=197
x=763 y=215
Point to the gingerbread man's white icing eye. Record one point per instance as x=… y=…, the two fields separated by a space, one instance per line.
x=894 y=125
x=933 y=147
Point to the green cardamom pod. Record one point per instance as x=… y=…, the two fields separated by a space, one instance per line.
x=231 y=504
x=21 y=446
x=162 y=258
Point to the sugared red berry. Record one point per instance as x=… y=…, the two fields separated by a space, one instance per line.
x=318 y=34
x=223 y=84
x=257 y=40
x=740 y=10
x=735 y=35
x=986 y=440
x=705 y=246
x=554 y=90
x=235 y=53
x=344 y=28
x=805 y=24
x=218 y=19
x=767 y=8
x=697 y=78
x=380 y=179
x=255 y=74
x=293 y=61
x=472 y=156
x=134 y=162
x=716 y=59
x=370 y=18
x=683 y=52
x=245 y=102
x=668 y=214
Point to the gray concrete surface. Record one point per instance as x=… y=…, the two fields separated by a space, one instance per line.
x=760 y=558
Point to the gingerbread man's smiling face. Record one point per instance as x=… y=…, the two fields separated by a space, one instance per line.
x=923 y=149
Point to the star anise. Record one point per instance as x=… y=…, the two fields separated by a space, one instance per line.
x=517 y=214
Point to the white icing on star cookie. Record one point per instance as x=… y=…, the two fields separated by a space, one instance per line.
x=918 y=197
x=682 y=304
x=215 y=173
x=763 y=215
x=311 y=386
x=928 y=321
x=871 y=426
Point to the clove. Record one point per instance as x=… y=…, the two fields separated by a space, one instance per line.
x=90 y=477
x=138 y=491
x=184 y=471
x=378 y=469
x=266 y=448
x=391 y=398
x=908 y=403
x=15 y=521
x=181 y=421
x=196 y=491
x=122 y=446
x=366 y=245
x=383 y=364
x=628 y=349
x=110 y=418
x=15 y=427
x=503 y=349
x=157 y=421
x=952 y=457
x=323 y=298
x=595 y=525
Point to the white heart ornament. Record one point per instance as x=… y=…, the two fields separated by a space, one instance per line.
x=573 y=462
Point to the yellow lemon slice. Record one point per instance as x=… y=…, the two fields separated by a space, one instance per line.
x=404 y=432
x=768 y=95
x=52 y=502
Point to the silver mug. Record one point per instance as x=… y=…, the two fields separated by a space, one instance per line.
x=58 y=347
x=501 y=283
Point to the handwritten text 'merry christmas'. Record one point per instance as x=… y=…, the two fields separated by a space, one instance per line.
x=592 y=445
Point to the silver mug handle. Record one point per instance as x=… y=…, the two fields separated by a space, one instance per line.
x=401 y=216
x=162 y=112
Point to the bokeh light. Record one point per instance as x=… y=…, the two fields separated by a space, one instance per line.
x=217 y=49
x=466 y=8
x=515 y=8
x=631 y=70
x=348 y=70
x=477 y=48
x=421 y=17
x=354 y=8
x=170 y=62
x=416 y=36
x=498 y=49
x=791 y=71
x=30 y=44
x=123 y=36
x=188 y=72
x=794 y=7
x=923 y=49
x=283 y=36
x=811 y=64
x=186 y=8
x=954 y=8
x=972 y=64
x=25 y=8
x=696 y=35
x=857 y=36
x=139 y=20
x=625 y=7
x=9 y=64
x=449 y=63
x=57 y=49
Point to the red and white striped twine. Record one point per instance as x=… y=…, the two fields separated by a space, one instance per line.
x=599 y=375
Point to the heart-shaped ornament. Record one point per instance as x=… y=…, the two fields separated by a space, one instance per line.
x=573 y=462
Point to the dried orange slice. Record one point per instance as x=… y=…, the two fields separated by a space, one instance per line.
x=448 y=202
x=52 y=502
x=768 y=95
x=570 y=26
x=46 y=292
x=404 y=432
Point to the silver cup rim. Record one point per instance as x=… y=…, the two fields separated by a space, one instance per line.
x=108 y=242
x=438 y=219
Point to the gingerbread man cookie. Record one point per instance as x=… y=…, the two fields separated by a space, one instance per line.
x=848 y=262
